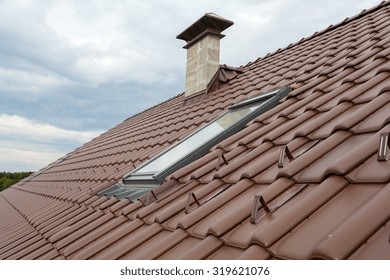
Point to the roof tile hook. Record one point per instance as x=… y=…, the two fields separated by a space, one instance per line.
x=191 y=197
x=221 y=160
x=259 y=200
x=154 y=195
x=255 y=215
x=384 y=146
x=284 y=151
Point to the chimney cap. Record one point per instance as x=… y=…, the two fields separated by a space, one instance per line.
x=208 y=21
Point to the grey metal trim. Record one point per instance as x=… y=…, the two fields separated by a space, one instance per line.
x=254 y=99
x=112 y=189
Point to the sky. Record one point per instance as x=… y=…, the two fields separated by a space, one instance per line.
x=70 y=70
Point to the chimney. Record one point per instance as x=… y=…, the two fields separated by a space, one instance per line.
x=202 y=46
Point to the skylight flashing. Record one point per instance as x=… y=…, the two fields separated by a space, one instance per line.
x=254 y=99
x=154 y=171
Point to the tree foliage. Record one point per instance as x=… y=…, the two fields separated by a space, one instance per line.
x=8 y=179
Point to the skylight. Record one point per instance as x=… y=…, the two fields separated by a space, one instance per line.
x=154 y=171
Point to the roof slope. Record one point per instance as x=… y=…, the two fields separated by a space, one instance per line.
x=331 y=201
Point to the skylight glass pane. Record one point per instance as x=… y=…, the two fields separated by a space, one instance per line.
x=198 y=139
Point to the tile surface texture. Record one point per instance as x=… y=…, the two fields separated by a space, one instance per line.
x=330 y=202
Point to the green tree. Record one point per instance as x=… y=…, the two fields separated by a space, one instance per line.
x=9 y=178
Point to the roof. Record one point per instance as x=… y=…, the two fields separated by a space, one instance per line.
x=244 y=199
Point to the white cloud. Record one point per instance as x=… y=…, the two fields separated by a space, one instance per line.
x=14 y=160
x=113 y=42
x=24 y=81
x=29 y=145
x=102 y=42
x=22 y=127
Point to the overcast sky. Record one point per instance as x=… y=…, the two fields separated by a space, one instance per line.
x=69 y=70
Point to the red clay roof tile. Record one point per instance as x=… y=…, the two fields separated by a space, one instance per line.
x=372 y=249
x=311 y=199
x=320 y=225
x=157 y=246
x=73 y=251
x=225 y=253
x=254 y=252
x=76 y=233
x=199 y=249
x=342 y=241
x=83 y=238
x=120 y=248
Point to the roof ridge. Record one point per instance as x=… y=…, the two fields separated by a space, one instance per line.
x=364 y=12
x=331 y=27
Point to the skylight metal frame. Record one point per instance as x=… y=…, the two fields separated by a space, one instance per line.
x=255 y=99
x=153 y=179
